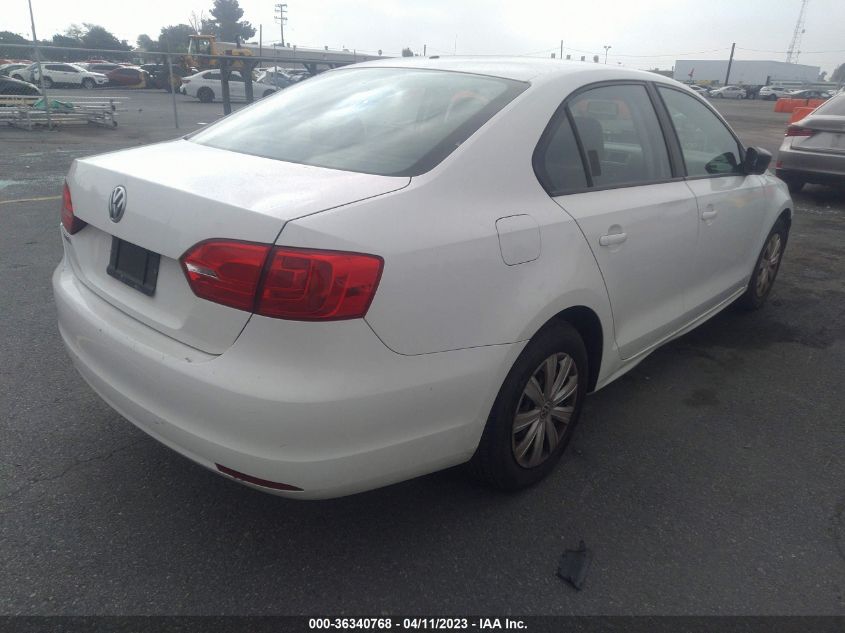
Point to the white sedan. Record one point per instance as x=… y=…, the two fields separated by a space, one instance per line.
x=401 y=266
x=728 y=92
x=207 y=86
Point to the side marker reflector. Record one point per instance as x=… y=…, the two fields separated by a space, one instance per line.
x=255 y=480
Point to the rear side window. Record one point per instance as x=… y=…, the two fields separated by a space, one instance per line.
x=708 y=147
x=558 y=162
x=620 y=135
x=385 y=121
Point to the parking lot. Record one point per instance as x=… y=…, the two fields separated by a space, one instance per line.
x=708 y=480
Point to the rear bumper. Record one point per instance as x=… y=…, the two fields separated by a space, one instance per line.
x=813 y=167
x=323 y=407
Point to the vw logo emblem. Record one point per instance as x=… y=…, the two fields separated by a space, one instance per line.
x=117 y=203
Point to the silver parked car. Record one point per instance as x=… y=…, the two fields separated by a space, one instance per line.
x=813 y=149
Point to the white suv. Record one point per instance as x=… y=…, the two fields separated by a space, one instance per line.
x=69 y=74
x=207 y=86
x=772 y=93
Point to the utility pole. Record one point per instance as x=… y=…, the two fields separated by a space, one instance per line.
x=261 y=40
x=606 y=48
x=40 y=74
x=561 y=49
x=730 y=62
x=281 y=9
x=425 y=48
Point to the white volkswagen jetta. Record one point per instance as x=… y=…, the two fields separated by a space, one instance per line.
x=401 y=266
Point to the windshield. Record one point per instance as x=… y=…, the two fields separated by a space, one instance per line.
x=385 y=121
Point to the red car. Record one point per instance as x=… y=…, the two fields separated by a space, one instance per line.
x=129 y=76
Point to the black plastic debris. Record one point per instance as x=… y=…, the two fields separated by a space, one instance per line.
x=574 y=565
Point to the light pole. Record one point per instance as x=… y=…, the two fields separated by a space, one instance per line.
x=606 y=48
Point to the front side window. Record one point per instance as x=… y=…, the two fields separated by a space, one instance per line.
x=385 y=121
x=708 y=147
x=620 y=136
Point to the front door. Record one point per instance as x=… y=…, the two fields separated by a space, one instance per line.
x=731 y=204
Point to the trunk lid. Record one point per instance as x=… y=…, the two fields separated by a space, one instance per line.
x=180 y=193
x=829 y=136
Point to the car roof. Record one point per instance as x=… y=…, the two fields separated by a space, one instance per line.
x=516 y=68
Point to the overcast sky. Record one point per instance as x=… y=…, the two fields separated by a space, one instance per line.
x=642 y=33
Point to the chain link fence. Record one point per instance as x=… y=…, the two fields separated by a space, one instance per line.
x=149 y=94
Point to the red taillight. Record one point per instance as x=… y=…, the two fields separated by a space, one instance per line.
x=797 y=130
x=226 y=272
x=311 y=285
x=283 y=282
x=71 y=223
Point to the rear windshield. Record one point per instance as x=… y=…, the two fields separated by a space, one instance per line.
x=385 y=121
x=832 y=107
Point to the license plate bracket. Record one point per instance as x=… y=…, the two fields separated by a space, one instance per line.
x=133 y=265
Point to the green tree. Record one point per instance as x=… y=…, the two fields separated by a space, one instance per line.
x=97 y=37
x=66 y=55
x=407 y=52
x=146 y=43
x=175 y=38
x=838 y=75
x=7 y=37
x=226 y=23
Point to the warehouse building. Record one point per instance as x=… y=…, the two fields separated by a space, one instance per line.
x=744 y=72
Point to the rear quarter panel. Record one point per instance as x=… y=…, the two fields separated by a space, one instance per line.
x=445 y=285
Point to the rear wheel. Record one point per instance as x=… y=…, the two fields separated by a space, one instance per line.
x=205 y=95
x=535 y=413
x=794 y=185
x=267 y=93
x=765 y=269
x=88 y=83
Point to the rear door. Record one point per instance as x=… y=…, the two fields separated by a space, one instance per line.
x=615 y=178
x=731 y=204
x=236 y=85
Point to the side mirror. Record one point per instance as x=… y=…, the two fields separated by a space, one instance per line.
x=756 y=160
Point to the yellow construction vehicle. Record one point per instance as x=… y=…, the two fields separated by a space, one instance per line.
x=208 y=45
x=196 y=59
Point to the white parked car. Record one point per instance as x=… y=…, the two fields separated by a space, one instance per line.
x=728 y=92
x=69 y=75
x=772 y=93
x=207 y=86
x=405 y=265
x=698 y=89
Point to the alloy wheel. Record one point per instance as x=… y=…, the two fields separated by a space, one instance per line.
x=767 y=267
x=544 y=410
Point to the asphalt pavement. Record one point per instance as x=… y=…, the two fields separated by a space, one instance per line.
x=709 y=480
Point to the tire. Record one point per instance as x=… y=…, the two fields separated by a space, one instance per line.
x=794 y=185
x=88 y=83
x=765 y=270
x=205 y=95
x=496 y=460
x=740 y=96
x=267 y=93
x=48 y=83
